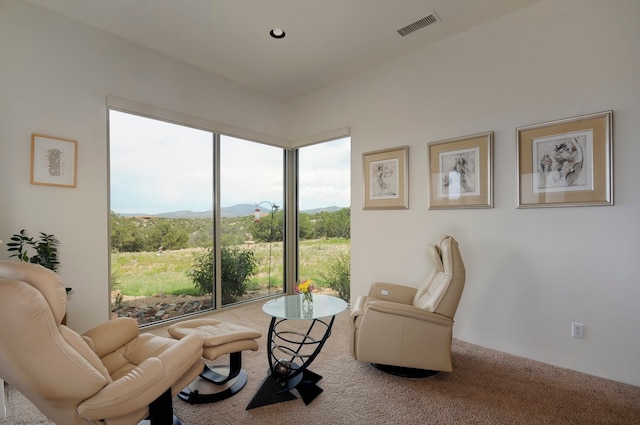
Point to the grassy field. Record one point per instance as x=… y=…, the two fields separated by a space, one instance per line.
x=150 y=273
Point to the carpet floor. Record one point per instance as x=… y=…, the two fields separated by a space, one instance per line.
x=485 y=387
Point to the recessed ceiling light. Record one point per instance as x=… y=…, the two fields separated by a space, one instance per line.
x=277 y=33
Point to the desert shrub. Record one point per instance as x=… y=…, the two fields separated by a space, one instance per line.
x=338 y=275
x=238 y=265
x=202 y=272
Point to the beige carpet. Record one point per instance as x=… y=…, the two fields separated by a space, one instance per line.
x=486 y=387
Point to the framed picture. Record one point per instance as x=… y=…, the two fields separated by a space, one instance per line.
x=386 y=179
x=566 y=162
x=460 y=172
x=53 y=161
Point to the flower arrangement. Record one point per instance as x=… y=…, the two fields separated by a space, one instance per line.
x=305 y=288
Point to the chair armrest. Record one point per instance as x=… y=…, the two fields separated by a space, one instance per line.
x=392 y=292
x=382 y=291
x=133 y=391
x=357 y=309
x=111 y=335
x=141 y=386
x=181 y=356
x=409 y=311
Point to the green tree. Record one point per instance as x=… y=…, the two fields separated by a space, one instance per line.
x=305 y=227
x=334 y=225
x=263 y=231
x=235 y=230
x=343 y=223
x=126 y=234
x=166 y=233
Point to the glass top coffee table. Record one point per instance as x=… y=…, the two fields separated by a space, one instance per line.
x=297 y=333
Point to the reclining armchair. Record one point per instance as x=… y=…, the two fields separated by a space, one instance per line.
x=408 y=331
x=111 y=375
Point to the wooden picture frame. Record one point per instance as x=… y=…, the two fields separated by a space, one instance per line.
x=567 y=162
x=461 y=172
x=386 y=179
x=53 y=161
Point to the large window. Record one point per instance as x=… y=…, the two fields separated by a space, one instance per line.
x=200 y=220
x=252 y=185
x=324 y=226
x=161 y=200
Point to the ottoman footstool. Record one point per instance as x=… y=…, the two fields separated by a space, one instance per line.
x=217 y=383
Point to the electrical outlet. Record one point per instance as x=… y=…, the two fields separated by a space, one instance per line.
x=577 y=330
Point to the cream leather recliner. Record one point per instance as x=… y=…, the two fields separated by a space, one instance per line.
x=408 y=331
x=111 y=375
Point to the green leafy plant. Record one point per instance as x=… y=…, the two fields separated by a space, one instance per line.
x=338 y=275
x=45 y=247
x=238 y=265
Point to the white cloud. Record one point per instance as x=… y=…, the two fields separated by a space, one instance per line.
x=161 y=167
x=157 y=166
x=325 y=176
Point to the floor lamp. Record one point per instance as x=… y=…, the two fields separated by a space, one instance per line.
x=256 y=218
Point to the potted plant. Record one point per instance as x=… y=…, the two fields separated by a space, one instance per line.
x=46 y=249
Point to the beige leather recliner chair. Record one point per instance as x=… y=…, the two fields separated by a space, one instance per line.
x=408 y=331
x=110 y=375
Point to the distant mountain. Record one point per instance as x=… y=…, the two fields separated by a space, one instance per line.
x=186 y=214
x=239 y=210
x=248 y=209
x=324 y=209
x=232 y=211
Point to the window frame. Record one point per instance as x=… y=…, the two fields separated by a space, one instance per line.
x=290 y=181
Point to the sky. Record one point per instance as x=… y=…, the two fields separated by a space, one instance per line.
x=158 y=167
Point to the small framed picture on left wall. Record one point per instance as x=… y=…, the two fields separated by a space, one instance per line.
x=53 y=161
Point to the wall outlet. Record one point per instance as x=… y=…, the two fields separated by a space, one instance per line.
x=577 y=330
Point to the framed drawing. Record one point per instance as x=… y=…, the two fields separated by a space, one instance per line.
x=386 y=179
x=53 y=161
x=566 y=162
x=460 y=172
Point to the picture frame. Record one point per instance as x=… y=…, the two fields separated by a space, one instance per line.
x=461 y=172
x=386 y=179
x=54 y=161
x=567 y=162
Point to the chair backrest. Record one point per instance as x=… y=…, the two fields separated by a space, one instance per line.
x=442 y=290
x=47 y=362
x=47 y=282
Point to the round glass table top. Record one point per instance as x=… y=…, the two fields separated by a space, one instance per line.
x=291 y=307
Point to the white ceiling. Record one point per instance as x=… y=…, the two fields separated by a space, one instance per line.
x=326 y=40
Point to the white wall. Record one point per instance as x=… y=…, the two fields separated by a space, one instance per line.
x=55 y=75
x=530 y=272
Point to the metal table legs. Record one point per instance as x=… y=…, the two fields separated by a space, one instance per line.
x=290 y=353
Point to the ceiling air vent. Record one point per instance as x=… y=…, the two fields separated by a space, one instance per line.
x=419 y=24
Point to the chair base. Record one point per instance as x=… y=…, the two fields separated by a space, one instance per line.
x=214 y=384
x=161 y=411
x=176 y=421
x=405 y=372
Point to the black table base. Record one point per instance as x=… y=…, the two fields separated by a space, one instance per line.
x=274 y=390
x=283 y=378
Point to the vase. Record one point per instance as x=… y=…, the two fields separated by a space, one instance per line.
x=307 y=297
x=307 y=305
